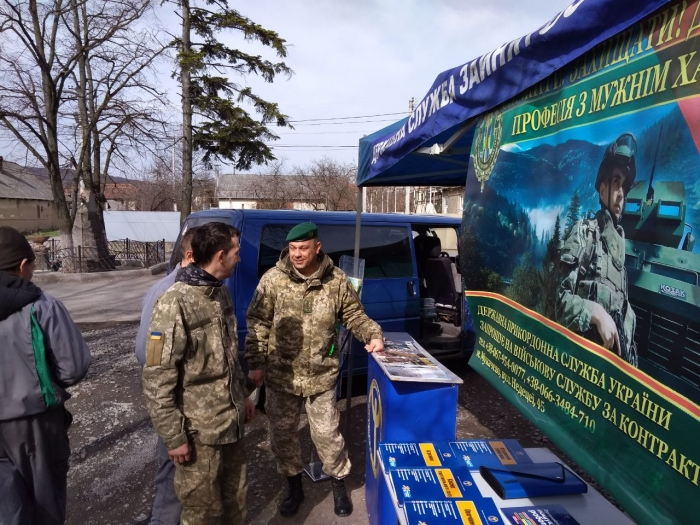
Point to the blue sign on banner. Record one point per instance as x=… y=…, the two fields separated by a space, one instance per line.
x=481 y=84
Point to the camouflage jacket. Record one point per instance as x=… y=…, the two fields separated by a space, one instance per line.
x=192 y=381
x=593 y=270
x=291 y=326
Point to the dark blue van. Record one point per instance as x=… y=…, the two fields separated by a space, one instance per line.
x=410 y=279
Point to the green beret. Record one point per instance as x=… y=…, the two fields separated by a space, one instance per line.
x=303 y=232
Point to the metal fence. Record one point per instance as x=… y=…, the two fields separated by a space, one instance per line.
x=82 y=259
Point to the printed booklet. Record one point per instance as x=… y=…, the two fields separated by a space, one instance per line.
x=479 y=511
x=429 y=484
x=539 y=515
x=469 y=453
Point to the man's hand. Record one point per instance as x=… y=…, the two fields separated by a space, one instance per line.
x=257 y=377
x=375 y=345
x=180 y=454
x=606 y=328
x=249 y=410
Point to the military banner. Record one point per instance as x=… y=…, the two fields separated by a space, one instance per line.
x=580 y=259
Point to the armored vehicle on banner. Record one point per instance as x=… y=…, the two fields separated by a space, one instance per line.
x=664 y=287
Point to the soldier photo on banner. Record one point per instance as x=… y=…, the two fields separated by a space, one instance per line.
x=592 y=297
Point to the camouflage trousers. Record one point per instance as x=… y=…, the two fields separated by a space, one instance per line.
x=212 y=486
x=284 y=410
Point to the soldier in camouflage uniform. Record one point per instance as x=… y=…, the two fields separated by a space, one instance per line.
x=194 y=386
x=593 y=297
x=291 y=346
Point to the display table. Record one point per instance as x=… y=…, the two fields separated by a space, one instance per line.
x=411 y=397
x=590 y=508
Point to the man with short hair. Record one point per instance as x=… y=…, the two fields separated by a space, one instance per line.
x=166 y=507
x=42 y=354
x=593 y=299
x=291 y=347
x=194 y=385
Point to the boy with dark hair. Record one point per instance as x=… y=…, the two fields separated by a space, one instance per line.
x=194 y=386
x=43 y=353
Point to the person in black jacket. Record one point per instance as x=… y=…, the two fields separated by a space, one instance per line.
x=43 y=353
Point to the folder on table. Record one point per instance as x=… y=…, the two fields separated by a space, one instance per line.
x=533 y=480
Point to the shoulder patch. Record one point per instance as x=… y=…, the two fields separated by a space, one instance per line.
x=154 y=349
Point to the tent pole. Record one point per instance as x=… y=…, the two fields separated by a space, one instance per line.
x=348 y=389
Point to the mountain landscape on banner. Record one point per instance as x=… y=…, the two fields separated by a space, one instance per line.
x=514 y=213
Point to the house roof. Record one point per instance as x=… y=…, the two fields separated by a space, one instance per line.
x=17 y=182
x=123 y=191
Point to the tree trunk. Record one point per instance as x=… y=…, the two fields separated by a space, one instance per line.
x=90 y=227
x=186 y=201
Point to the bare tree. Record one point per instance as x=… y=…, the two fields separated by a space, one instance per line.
x=66 y=67
x=328 y=184
x=160 y=188
x=113 y=101
x=274 y=190
x=35 y=64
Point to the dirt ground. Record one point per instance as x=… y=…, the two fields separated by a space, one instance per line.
x=113 y=457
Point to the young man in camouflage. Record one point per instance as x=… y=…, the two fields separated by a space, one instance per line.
x=194 y=386
x=166 y=507
x=593 y=293
x=290 y=346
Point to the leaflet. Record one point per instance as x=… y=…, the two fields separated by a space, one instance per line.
x=428 y=484
x=478 y=511
x=469 y=453
x=490 y=452
x=539 y=515
x=407 y=361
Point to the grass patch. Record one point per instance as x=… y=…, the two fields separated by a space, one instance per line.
x=43 y=233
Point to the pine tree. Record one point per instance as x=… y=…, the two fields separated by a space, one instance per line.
x=549 y=276
x=224 y=129
x=572 y=214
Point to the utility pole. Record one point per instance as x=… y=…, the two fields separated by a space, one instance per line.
x=410 y=106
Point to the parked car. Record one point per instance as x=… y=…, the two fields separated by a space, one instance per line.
x=410 y=282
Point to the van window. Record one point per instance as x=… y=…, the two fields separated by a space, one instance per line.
x=385 y=249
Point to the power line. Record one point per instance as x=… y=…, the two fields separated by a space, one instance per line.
x=348 y=118
x=343 y=123
x=306 y=146
x=325 y=132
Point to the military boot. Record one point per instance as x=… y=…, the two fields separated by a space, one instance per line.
x=343 y=505
x=295 y=495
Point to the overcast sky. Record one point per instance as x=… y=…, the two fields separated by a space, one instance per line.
x=369 y=57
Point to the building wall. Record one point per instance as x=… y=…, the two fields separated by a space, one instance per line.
x=28 y=215
x=453 y=203
x=234 y=204
x=297 y=205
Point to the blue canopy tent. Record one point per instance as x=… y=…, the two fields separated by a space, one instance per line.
x=431 y=147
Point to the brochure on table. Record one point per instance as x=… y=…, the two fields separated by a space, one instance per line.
x=408 y=361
